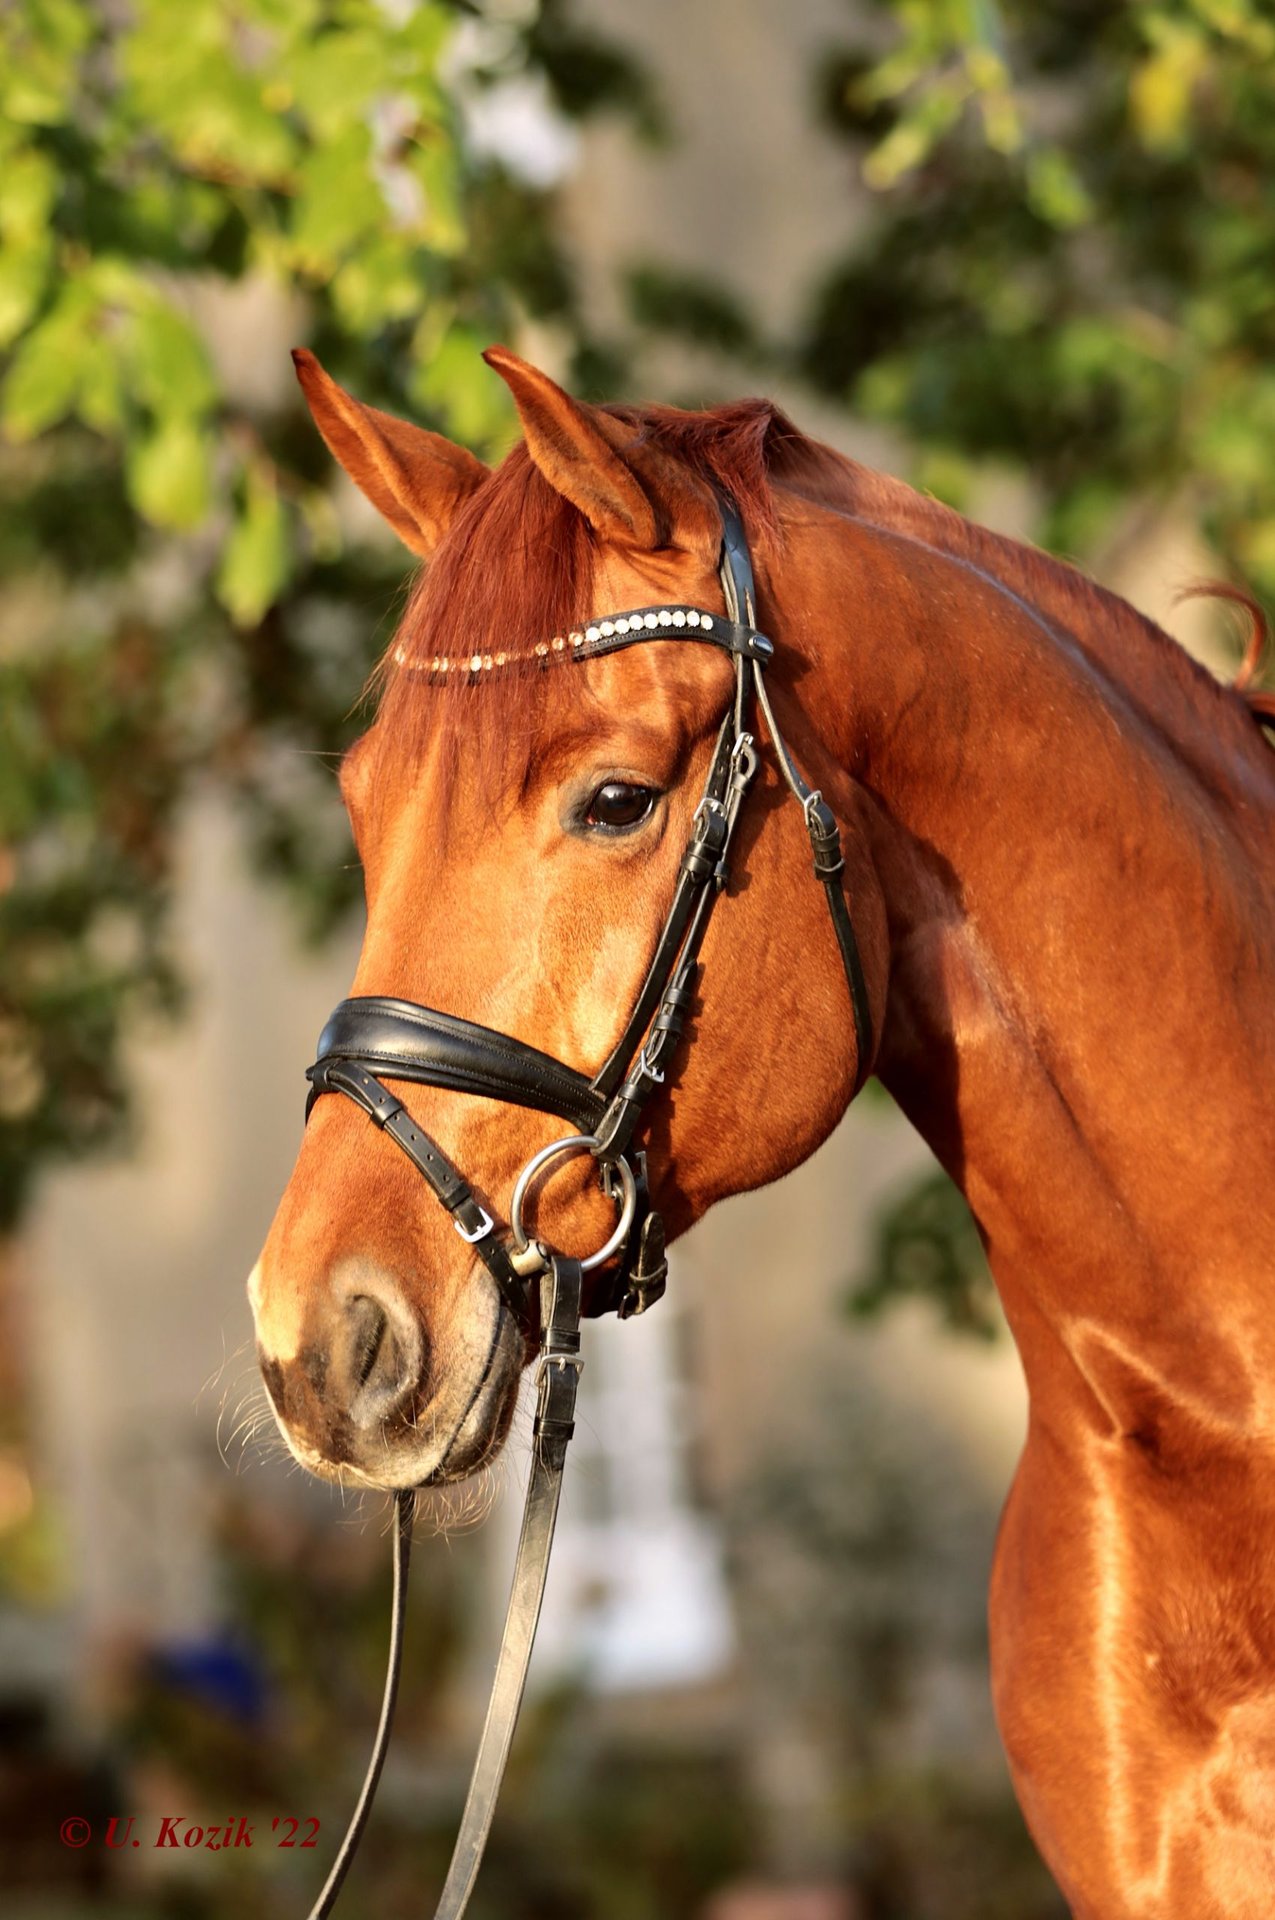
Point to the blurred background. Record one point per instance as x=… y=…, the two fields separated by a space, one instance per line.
x=1020 y=254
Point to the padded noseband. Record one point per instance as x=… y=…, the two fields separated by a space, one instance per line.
x=407 y=1042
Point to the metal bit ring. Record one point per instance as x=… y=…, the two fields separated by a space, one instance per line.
x=575 y=1142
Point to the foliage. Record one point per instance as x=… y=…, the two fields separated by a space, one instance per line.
x=858 y=1584
x=925 y=1245
x=1067 y=268
x=692 y=308
x=181 y=607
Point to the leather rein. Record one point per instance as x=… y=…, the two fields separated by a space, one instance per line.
x=372 y=1036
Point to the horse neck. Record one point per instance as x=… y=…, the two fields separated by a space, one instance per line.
x=1072 y=831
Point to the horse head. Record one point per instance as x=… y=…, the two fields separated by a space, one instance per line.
x=522 y=806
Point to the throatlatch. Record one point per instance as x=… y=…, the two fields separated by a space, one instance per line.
x=374 y=1036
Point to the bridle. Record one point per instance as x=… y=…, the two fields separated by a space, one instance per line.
x=373 y=1036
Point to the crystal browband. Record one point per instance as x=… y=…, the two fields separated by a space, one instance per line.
x=603 y=636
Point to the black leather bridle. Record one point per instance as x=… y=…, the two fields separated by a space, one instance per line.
x=370 y=1037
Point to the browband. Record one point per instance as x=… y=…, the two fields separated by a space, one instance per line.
x=621 y=630
x=670 y=621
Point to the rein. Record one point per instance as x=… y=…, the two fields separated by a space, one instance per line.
x=371 y=1036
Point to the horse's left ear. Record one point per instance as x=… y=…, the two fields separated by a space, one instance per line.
x=627 y=488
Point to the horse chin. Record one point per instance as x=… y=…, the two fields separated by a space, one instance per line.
x=484 y=1428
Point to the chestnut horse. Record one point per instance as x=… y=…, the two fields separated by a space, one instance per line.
x=1060 y=867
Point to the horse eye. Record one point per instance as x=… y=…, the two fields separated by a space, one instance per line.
x=617 y=805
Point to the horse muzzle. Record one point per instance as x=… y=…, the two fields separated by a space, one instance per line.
x=364 y=1397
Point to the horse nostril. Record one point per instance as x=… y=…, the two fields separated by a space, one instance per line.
x=381 y=1358
x=368 y=1326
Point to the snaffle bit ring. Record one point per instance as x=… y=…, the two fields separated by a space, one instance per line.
x=575 y=1143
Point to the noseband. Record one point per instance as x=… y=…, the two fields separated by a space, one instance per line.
x=373 y=1036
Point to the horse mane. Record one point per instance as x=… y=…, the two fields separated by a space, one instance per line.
x=517 y=569
x=1262 y=705
x=1052 y=587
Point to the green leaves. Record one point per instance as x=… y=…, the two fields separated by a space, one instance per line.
x=45 y=377
x=451 y=384
x=28 y=189
x=925 y=1244
x=338 y=203
x=186 y=189
x=257 y=558
x=24 y=275
x=41 y=45
x=1054 y=189
x=167 y=361
x=115 y=352
x=170 y=474
x=948 y=60
x=84 y=796
x=189 y=76
x=1088 y=301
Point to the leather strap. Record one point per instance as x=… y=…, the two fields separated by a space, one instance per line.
x=404 y=1511
x=556 y=1386
x=644 y=623
x=829 y=859
x=829 y=863
x=403 y=1041
x=337 y=1074
x=703 y=862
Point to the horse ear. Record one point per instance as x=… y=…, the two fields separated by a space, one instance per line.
x=415 y=480
x=628 y=490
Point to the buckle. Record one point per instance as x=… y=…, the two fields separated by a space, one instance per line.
x=479 y=1233
x=708 y=818
x=743 y=760
x=645 y=1067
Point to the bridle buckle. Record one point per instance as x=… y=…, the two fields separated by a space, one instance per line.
x=743 y=761
x=646 y=1068
x=477 y=1233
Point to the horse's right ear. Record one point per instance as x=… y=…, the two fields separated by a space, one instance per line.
x=415 y=480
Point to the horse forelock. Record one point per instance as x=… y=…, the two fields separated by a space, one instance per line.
x=516 y=571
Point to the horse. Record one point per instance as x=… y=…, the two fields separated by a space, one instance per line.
x=1060 y=868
